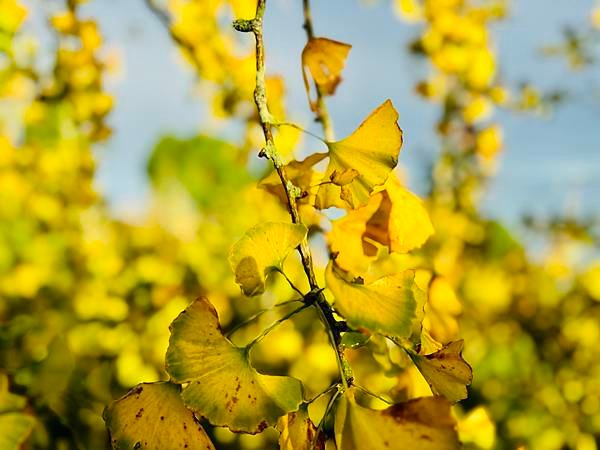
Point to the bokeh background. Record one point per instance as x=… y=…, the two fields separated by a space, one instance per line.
x=123 y=155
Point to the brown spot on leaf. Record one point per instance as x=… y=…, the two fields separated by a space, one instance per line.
x=139 y=413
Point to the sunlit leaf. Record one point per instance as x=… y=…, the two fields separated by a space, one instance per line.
x=223 y=385
x=262 y=250
x=420 y=424
x=152 y=416
x=325 y=60
x=354 y=339
x=446 y=372
x=386 y=305
x=372 y=151
x=298 y=432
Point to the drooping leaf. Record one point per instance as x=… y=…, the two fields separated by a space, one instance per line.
x=419 y=424
x=446 y=372
x=297 y=432
x=223 y=385
x=371 y=151
x=262 y=250
x=325 y=59
x=153 y=416
x=15 y=425
x=386 y=305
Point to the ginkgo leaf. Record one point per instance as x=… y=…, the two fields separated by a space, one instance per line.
x=393 y=218
x=419 y=424
x=387 y=305
x=446 y=372
x=372 y=151
x=297 y=432
x=325 y=59
x=222 y=384
x=153 y=416
x=262 y=250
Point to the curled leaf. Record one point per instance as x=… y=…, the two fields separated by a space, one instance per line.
x=446 y=372
x=262 y=250
x=393 y=218
x=419 y=424
x=325 y=59
x=297 y=432
x=387 y=305
x=222 y=384
x=152 y=416
x=371 y=151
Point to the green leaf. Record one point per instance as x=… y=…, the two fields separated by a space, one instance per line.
x=15 y=426
x=419 y=424
x=446 y=372
x=223 y=385
x=387 y=305
x=152 y=416
x=297 y=432
x=262 y=250
x=362 y=161
x=198 y=164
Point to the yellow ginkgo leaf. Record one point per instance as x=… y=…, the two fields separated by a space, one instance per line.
x=298 y=432
x=393 y=218
x=419 y=424
x=153 y=416
x=387 y=305
x=372 y=151
x=222 y=385
x=446 y=372
x=325 y=59
x=262 y=250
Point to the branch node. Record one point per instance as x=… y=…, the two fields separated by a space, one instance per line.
x=244 y=25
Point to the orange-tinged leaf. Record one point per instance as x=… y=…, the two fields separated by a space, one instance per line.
x=419 y=424
x=325 y=59
x=153 y=416
x=371 y=150
x=446 y=372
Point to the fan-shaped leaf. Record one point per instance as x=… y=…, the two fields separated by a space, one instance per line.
x=223 y=386
x=387 y=305
x=261 y=250
x=446 y=372
x=420 y=424
x=325 y=59
x=365 y=159
x=152 y=416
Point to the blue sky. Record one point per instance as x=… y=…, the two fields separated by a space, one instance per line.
x=549 y=165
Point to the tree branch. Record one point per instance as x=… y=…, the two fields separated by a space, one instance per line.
x=324 y=310
x=322 y=114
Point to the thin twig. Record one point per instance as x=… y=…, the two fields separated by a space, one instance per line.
x=322 y=421
x=325 y=392
x=372 y=394
x=266 y=121
x=274 y=325
x=292 y=285
x=259 y=313
x=322 y=114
